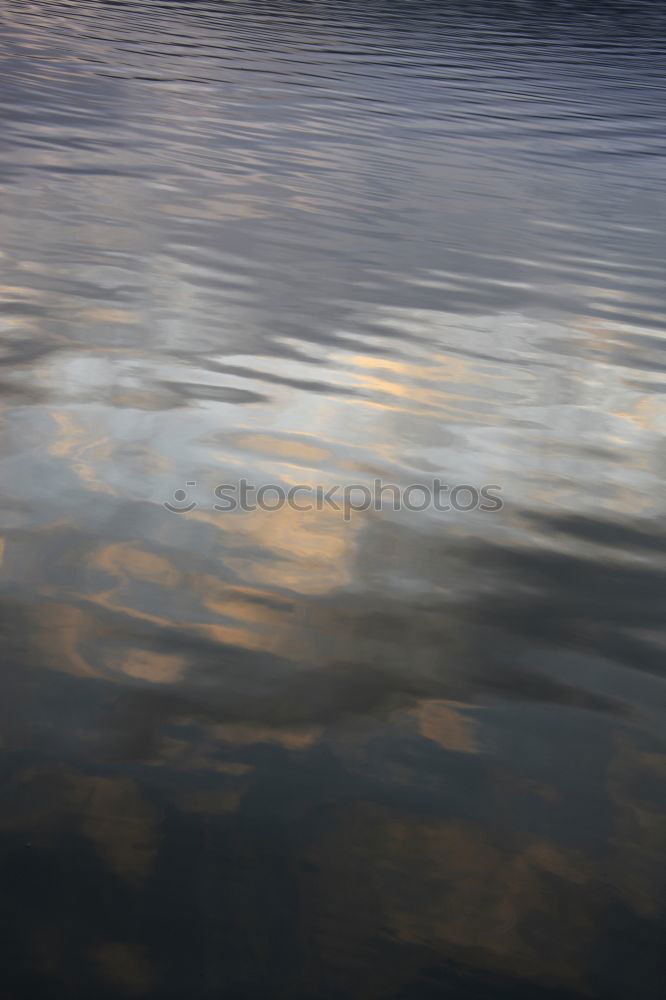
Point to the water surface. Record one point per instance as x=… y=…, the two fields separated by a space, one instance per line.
x=280 y=754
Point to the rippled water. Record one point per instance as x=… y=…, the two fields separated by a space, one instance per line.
x=284 y=754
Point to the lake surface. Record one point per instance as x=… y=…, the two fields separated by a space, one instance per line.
x=333 y=753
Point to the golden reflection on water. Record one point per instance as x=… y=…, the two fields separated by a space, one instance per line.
x=283 y=754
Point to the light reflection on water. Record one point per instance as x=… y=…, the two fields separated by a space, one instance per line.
x=276 y=754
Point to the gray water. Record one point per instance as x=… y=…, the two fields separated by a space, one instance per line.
x=327 y=754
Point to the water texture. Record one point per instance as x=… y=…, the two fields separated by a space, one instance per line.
x=284 y=754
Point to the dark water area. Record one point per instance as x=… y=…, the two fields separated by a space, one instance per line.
x=400 y=754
